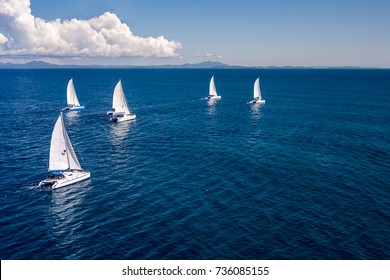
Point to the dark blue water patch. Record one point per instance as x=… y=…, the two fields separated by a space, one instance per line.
x=304 y=176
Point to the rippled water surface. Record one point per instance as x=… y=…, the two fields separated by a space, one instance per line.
x=305 y=176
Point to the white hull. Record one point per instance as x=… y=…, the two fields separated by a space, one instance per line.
x=124 y=118
x=69 y=178
x=259 y=101
x=74 y=108
x=216 y=97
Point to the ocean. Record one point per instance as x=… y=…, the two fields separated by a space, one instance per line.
x=304 y=176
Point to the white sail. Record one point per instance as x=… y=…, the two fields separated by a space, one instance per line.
x=256 y=90
x=119 y=102
x=58 y=158
x=71 y=95
x=213 y=90
x=62 y=155
x=72 y=158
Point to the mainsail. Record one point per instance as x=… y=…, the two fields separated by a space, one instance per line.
x=119 y=102
x=71 y=95
x=213 y=90
x=256 y=90
x=62 y=155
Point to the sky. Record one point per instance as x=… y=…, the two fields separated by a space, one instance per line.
x=152 y=32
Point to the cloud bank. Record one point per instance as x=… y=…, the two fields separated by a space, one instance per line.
x=22 y=34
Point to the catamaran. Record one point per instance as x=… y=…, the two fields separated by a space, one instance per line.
x=120 y=111
x=213 y=95
x=64 y=167
x=71 y=97
x=257 y=93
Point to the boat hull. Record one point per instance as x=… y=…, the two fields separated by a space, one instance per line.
x=74 y=108
x=69 y=178
x=257 y=102
x=123 y=119
x=213 y=97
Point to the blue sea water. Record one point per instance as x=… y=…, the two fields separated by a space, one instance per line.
x=305 y=176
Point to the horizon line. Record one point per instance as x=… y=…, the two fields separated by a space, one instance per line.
x=39 y=64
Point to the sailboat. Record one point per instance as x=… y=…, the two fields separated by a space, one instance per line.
x=64 y=167
x=257 y=93
x=71 y=97
x=120 y=110
x=213 y=95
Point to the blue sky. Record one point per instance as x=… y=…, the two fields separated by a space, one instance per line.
x=245 y=32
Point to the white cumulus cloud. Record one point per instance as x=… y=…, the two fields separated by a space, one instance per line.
x=3 y=39
x=104 y=36
x=209 y=56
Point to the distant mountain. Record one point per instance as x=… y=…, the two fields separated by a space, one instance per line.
x=30 y=65
x=207 y=64
x=39 y=64
x=201 y=65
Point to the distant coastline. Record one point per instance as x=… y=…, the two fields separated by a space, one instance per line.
x=202 y=65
